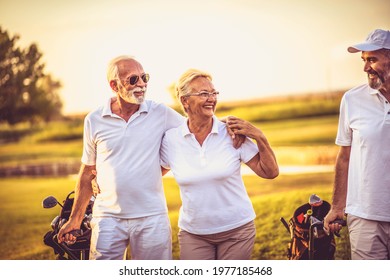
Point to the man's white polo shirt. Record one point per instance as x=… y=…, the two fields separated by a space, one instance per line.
x=126 y=155
x=365 y=126
x=214 y=198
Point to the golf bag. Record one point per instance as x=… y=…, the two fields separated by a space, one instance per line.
x=80 y=249
x=309 y=241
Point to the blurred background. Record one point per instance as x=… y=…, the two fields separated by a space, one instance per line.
x=253 y=48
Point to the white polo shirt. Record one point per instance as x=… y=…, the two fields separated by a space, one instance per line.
x=126 y=155
x=214 y=198
x=365 y=126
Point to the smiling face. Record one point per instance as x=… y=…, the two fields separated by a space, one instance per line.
x=131 y=93
x=198 y=106
x=377 y=67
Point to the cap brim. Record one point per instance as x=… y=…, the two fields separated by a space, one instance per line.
x=364 y=47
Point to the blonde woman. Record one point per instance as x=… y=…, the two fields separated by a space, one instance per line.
x=216 y=218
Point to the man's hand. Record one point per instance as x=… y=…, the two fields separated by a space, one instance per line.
x=242 y=127
x=83 y=192
x=238 y=139
x=329 y=224
x=65 y=235
x=95 y=186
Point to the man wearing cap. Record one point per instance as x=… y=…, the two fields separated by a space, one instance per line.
x=362 y=173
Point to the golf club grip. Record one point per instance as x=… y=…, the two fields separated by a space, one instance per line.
x=76 y=232
x=340 y=222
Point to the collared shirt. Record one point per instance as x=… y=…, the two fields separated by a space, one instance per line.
x=365 y=126
x=126 y=155
x=214 y=198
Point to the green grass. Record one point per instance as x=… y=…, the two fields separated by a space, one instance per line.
x=23 y=221
x=26 y=153
x=65 y=130
x=284 y=107
x=44 y=143
x=319 y=130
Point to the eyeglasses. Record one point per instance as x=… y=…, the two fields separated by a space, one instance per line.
x=204 y=94
x=134 y=79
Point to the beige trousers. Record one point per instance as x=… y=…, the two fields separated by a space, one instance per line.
x=235 y=244
x=370 y=240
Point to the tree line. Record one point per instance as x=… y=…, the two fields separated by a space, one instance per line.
x=27 y=93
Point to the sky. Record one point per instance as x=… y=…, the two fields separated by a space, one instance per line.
x=252 y=48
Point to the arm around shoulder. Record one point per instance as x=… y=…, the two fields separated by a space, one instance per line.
x=264 y=163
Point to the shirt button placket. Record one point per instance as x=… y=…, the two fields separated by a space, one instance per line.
x=387 y=112
x=202 y=158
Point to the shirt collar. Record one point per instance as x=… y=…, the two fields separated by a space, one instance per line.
x=372 y=91
x=107 y=107
x=186 y=131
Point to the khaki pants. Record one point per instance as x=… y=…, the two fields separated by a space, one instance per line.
x=370 y=240
x=235 y=244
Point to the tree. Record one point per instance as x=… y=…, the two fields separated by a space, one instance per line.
x=26 y=92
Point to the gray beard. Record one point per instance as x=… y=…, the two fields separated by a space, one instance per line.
x=375 y=84
x=130 y=98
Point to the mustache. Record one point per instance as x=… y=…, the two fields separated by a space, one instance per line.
x=372 y=72
x=143 y=89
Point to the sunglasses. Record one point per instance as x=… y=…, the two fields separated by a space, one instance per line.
x=134 y=79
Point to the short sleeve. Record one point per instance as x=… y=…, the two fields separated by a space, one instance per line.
x=344 y=131
x=164 y=160
x=248 y=150
x=89 y=147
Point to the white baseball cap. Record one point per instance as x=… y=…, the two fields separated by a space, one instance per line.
x=377 y=39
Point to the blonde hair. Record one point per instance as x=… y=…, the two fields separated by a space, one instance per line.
x=183 y=84
x=112 y=69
